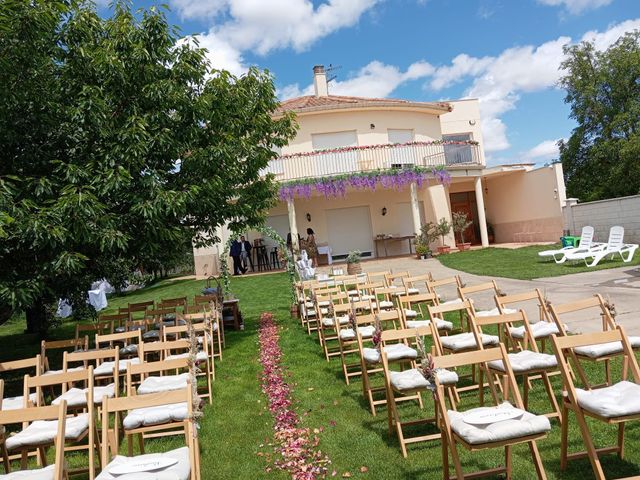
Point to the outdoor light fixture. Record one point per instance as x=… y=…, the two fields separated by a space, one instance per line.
x=308 y=217
x=372 y=126
x=472 y=122
x=384 y=211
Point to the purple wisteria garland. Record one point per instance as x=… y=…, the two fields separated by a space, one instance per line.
x=336 y=186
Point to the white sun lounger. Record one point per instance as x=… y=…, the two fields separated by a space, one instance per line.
x=586 y=244
x=614 y=245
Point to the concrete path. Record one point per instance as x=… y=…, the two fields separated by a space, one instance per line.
x=620 y=286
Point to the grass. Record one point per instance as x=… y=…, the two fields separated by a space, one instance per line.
x=237 y=424
x=521 y=263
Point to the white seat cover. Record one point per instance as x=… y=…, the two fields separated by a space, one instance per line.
x=163 y=384
x=77 y=397
x=14 y=403
x=365 y=332
x=540 y=329
x=525 y=425
x=69 y=370
x=178 y=471
x=328 y=322
x=413 y=379
x=464 y=341
x=603 y=349
x=398 y=351
x=42 y=432
x=440 y=324
x=200 y=356
x=617 y=400
x=525 y=361
x=47 y=473
x=413 y=291
x=144 y=417
x=106 y=368
x=450 y=302
x=495 y=311
x=386 y=304
x=410 y=313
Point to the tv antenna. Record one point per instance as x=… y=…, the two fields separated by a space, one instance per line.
x=332 y=68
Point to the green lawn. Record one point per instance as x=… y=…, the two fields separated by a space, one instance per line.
x=237 y=424
x=522 y=263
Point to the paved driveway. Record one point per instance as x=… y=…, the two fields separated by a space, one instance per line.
x=620 y=286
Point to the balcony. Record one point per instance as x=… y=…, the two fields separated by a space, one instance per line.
x=374 y=157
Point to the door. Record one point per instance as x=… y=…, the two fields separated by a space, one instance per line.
x=465 y=202
x=350 y=229
x=335 y=162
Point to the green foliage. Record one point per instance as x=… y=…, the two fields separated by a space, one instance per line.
x=354 y=256
x=442 y=228
x=118 y=145
x=600 y=159
x=426 y=237
x=460 y=223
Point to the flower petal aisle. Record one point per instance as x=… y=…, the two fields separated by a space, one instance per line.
x=296 y=449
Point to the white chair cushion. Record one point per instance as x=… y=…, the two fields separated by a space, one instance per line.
x=413 y=379
x=525 y=425
x=178 y=471
x=386 y=304
x=324 y=303
x=540 y=329
x=106 y=368
x=410 y=313
x=143 y=417
x=617 y=400
x=441 y=324
x=47 y=473
x=450 y=302
x=163 y=384
x=43 y=432
x=77 y=397
x=365 y=332
x=525 y=361
x=200 y=356
x=328 y=322
x=413 y=291
x=494 y=311
x=603 y=349
x=395 y=352
x=129 y=350
x=465 y=341
x=14 y=403
x=69 y=370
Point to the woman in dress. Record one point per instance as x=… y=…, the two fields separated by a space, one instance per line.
x=311 y=247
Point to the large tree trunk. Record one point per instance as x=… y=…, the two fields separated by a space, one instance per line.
x=37 y=317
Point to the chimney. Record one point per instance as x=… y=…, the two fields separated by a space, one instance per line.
x=320 y=81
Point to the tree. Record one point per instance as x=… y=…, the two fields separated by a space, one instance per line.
x=601 y=159
x=117 y=141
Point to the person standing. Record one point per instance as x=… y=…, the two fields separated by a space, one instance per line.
x=236 y=251
x=311 y=247
x=245 y=253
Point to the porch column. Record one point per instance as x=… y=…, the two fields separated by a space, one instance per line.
x=415 y=208
x=293 y=227
x=439 y=208
x=482 y=219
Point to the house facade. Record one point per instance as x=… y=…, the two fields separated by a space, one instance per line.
x=344 y=137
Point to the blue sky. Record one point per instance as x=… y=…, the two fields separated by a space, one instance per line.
x=504 y=52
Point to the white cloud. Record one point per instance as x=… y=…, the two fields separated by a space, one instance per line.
x=499 y=81
x=544 y=151
x=375 y=79
x=197 y=9
x=576 y=7
x=222 y=55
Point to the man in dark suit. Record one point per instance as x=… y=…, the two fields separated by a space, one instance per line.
x=236 y=251
x=245 y=253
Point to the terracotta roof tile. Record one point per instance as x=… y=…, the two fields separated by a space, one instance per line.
x=311 y=102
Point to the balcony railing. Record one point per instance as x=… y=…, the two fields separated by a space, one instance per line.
x=374 y=157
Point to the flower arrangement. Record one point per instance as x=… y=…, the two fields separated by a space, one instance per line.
x=377 y=333
x=336 y=186
x=193 y=379
x=295 y=447
x=426 y=367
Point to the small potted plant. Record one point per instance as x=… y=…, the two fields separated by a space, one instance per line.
x=443 y=228
x=422 y=251
x=460 y=223
x=424 y=239
x=353 y=262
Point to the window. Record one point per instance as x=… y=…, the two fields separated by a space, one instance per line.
x=454 y=154
x=335 y=162
x=400 y=157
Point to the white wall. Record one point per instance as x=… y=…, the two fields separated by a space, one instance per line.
x=604 y=214
x=464 y=118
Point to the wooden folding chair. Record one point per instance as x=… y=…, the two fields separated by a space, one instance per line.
x=380 y=276
x=119 y=320
x=594 y=353
x=129 y=343
x=172 y=302
x=64 y=345
x=614 y=404
x=411 y=283
x=102 y=327
x=346 y=334
x=446 y=292
x=106 y=363
x=527 y=363
x=326 y=321
x=415 y=311
x=81 y=430
x=370 y=359
x=134 y=309
x=408 y=383
x=204 y=299
x=469 y=428
x=26 y=416
x=490 y=288
x=7 y=369
x=188 y=458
